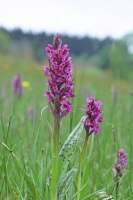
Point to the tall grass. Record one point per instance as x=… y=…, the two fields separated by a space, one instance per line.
x=25 y=164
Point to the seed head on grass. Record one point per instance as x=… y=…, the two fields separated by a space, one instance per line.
x=93 y=116
x=59 y=73
x=17 y=85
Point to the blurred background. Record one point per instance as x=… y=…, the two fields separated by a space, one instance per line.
x=99 y=33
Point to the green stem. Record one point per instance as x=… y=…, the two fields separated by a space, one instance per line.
x=80 y=165
x=117 y=188
x=54 y=180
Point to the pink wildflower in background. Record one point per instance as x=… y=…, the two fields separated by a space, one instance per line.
x=121 y=163
x=91 y=124
x=93 y=112
x=59 y=73
x=17 y=85
x=31 y=113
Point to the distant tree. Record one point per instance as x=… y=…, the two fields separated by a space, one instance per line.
x=16 y=34
x=4 y=42
x=104 y=57
x=37 y=42
x=128 y=39
x=121 y=60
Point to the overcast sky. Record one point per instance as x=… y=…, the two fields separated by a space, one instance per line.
x=96 y=18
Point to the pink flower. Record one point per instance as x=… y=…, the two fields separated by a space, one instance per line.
x=17 y=85
x=93 y=112
x=123 y=158
x=59 y=73
x=121 y=163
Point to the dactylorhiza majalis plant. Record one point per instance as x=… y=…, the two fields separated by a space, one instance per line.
x=60 y=90
x=120 y=165
x=91 y=124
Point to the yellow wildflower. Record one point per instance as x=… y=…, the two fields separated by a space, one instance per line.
x=26 y=84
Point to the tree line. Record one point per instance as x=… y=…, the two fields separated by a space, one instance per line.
x=103 y=53
x=85 y=45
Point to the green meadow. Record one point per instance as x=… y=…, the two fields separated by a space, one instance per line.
x=28 y=150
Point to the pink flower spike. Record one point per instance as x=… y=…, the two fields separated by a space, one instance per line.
x=17 y=85
x=120 y=164
x=59 y=73
x=93 y=118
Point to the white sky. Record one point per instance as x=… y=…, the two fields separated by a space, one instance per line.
x=96 y=18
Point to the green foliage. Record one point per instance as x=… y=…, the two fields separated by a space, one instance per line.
x=36 y=44
x=105 y=54
x=128 y=39
x=65 y=183
x=120 y=59
x=32 y=140
x=102 y=60
x=21 y=171
x=69 y=147
x=5 y=42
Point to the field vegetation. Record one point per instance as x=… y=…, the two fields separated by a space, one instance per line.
x=26 y=141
